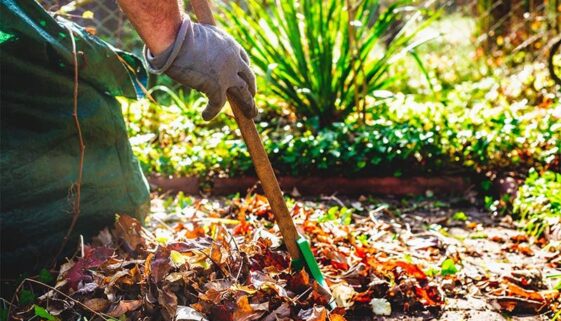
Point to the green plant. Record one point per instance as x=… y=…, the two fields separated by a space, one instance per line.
x=538 y=202
x=448 y=267
x=324 y=57
x=335 y=213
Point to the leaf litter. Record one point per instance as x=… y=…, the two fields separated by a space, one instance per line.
x=223 y=259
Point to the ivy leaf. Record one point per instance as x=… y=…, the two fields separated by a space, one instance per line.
x=45 y=276
x=43 y=313
x=448 y=268
x=26 y=297
x=460 y=216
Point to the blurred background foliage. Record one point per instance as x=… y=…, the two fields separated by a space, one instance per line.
x=368 y=88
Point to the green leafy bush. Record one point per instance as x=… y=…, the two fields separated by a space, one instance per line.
x=401 y=137
x=538 y=202
x=319 y=56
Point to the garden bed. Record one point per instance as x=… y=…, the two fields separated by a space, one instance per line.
x=444 y=185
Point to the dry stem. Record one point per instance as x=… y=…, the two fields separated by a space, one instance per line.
x=78 y=184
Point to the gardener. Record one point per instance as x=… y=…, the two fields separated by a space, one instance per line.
x=40 y=140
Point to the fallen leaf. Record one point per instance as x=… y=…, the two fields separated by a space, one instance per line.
x=299 y=282
x=343 y=295
x=317 y=313
x=168 y=301
x=93 y=257
x=123 y=307
x=160 y=265
x=97 y=304
x=185 y=313
x=128 y=229
x=381 y=307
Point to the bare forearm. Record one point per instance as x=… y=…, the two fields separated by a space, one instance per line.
x=156 y=21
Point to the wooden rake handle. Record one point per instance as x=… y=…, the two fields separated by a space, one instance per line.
x=258 y=155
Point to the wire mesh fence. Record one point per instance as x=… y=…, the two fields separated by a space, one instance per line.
x=101 y=17
x=508 y=25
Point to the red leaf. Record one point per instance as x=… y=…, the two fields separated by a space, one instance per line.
x=363 y=297
x=340 y=265
x=93 y=257
x=428 y=296
x=410 y=269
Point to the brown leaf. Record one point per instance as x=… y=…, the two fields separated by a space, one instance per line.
x=319 y=294
x=299 y=282
x=97 y=304
x=129 y=230
x=283 y=311
x=244 y=311
x=510 y=304
x=519 y=238
x=222 y=312
x=160 y=265
x=168 y=301
x=520 y=248
x=124 y=306
x=215 y=254
x=411 y=269
x=317 y=313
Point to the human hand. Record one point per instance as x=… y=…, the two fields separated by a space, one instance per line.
x=209 y=60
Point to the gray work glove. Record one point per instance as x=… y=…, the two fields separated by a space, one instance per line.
x=209 y=60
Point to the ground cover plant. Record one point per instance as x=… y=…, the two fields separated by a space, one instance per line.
x=399 y=136
x=538 y=203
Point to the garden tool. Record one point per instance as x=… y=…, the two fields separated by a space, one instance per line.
x=297 y=245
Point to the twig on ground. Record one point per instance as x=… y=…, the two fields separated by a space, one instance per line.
x=101 y=315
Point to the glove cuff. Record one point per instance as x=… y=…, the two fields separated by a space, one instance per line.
x=160 y=63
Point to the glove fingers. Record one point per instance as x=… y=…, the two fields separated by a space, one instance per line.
x=216 y=101
x=247 y=75
x=244 y=55
x=244 y=99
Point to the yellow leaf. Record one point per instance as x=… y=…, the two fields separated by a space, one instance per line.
x=88 y=14
x=177 y=258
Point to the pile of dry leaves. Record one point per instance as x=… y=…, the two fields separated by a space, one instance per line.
x=229 y=264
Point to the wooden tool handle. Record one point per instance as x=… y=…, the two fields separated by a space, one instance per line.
x=258 y=155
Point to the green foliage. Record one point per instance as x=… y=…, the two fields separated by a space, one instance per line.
x=45 y=276
x=342 y=215
x=320 y=57
x=26 y=297
x=401 y=136
x=538 y=202
x=460 y=216
x=448 y=267
x=43 y=313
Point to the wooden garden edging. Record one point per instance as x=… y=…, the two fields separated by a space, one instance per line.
x=321 y=185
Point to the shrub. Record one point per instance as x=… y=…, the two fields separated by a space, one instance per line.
x=319 y=56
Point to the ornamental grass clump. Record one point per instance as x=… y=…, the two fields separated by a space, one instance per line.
x=324 y=57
